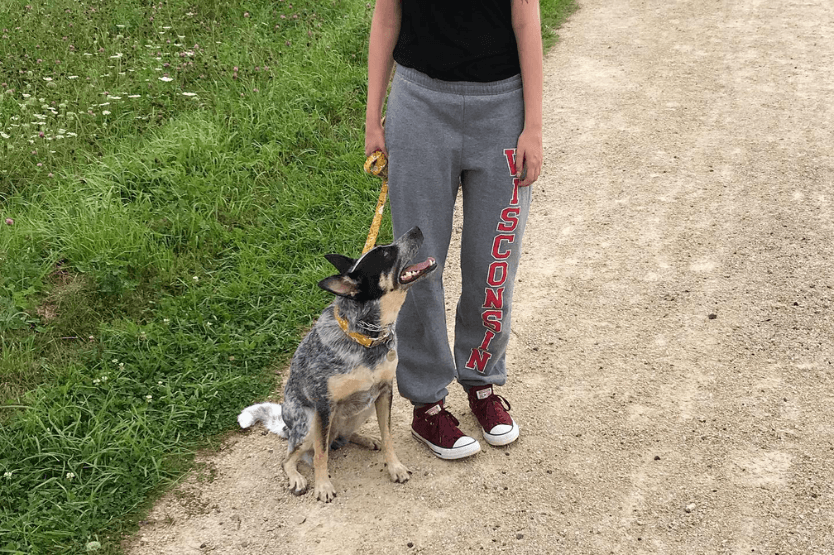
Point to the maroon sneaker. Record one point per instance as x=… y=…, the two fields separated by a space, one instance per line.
x=438 y=429
x=491 y=411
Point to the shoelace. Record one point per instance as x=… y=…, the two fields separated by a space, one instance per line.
x=446 y=423
x=488 y=409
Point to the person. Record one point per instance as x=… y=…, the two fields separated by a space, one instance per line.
x=464 y=113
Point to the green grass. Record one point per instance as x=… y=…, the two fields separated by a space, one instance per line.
x=553 y=14
x=172 y=174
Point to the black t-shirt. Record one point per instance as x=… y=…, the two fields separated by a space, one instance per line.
x=458 y=40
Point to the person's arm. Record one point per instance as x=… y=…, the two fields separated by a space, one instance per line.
x=526 y=23
x=385 y=29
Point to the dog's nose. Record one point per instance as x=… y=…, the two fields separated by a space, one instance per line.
x=415 y=234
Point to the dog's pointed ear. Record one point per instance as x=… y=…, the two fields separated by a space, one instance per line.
x=340 y=285
x=341 y=262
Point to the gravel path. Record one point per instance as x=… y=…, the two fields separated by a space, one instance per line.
x=672 y=360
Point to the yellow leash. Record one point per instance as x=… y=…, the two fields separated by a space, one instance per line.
x=377 y=165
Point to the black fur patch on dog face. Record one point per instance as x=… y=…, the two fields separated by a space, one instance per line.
x=378 y=271
x=366 y=279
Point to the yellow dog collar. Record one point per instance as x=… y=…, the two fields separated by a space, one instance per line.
x=360 y=338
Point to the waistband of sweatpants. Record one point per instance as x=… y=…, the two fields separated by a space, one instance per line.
x=459 y=87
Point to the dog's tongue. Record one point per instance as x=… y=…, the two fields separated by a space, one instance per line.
x=425 y=265
x=414 y=271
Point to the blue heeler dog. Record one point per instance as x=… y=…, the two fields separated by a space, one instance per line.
x=344 y=368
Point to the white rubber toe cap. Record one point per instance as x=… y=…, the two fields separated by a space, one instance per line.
x=464 y=447
x=502 y=434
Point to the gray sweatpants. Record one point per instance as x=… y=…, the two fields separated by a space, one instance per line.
x=442 y=136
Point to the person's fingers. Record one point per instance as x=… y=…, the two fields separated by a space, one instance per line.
x=525 y=172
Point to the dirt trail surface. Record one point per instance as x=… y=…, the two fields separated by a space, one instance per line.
x=672 y=361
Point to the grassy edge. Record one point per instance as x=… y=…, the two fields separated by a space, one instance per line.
x=554 y=13
x=180 y=464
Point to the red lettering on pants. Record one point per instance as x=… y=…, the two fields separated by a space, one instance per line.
x=494 y=298
x=497 y=253
x=478 y=360
x=514 y=200
x=509 y=219
x=493 y=278
x=492 y=320
x=488 y=337
x=510 y=154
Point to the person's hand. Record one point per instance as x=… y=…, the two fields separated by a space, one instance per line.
x=374 y=138
x=528 y=157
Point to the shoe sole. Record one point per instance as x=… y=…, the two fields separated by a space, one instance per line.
x=503 y=439
x=449 y=454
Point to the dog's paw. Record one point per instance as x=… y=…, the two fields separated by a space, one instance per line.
x=325 y=492
x=367 y=442
x=399 y=473
x=298 y=485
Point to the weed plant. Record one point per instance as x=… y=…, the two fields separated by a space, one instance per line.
x=171 y=174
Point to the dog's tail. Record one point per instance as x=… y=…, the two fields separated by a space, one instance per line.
x=267 y=413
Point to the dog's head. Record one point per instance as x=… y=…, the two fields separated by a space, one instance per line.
x=382 y=270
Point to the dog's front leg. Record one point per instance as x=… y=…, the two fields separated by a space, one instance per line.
x=398 y=472
x=321 y=449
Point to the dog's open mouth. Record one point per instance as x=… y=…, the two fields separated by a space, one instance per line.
x=415 y=271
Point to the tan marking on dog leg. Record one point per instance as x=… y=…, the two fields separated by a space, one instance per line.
x=396 y=470
x=390 y=305
x=342 y=386
x=297 y=482
x=321 y=448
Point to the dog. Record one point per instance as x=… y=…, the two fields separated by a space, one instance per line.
x=343 y=370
